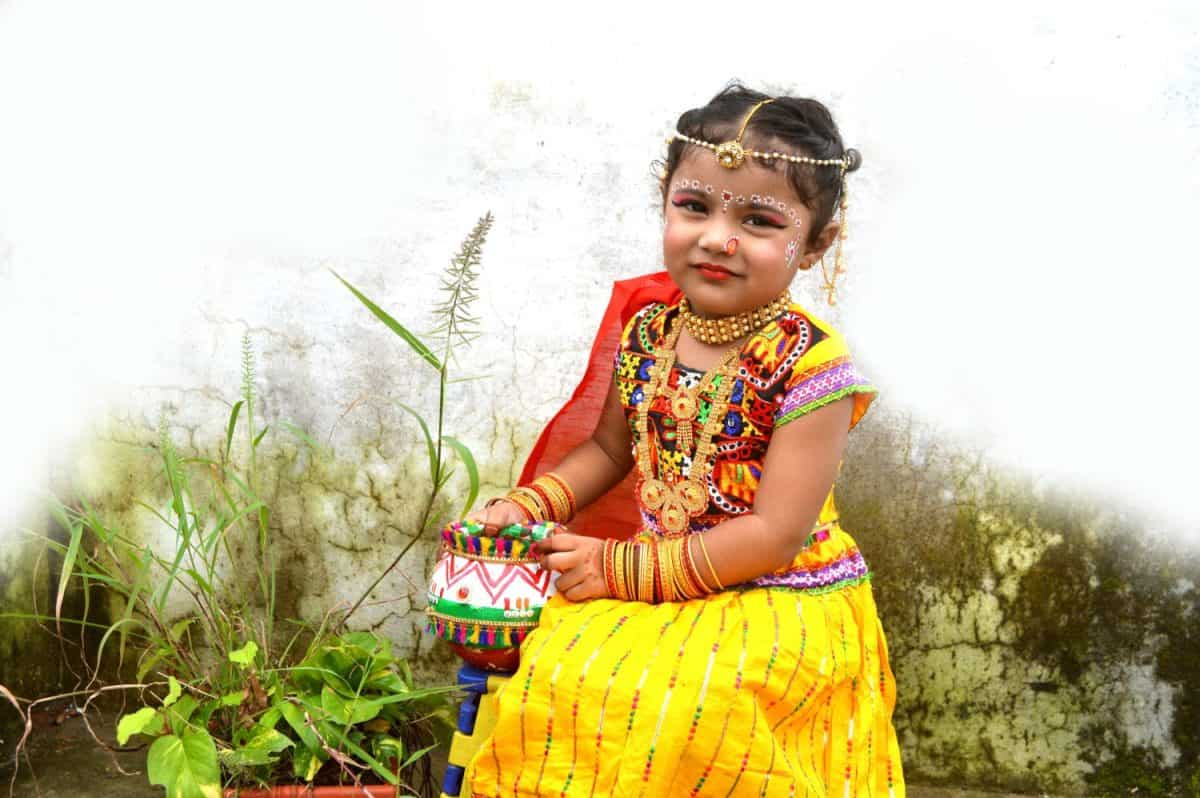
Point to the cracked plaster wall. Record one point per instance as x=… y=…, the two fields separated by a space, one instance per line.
x=1040 y=641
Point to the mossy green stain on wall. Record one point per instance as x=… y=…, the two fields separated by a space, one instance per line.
x=1021 y=619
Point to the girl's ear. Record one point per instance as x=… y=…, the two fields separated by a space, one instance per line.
x=824 y=241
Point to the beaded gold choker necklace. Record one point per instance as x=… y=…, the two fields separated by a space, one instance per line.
x=730 y=328
x=674 y=501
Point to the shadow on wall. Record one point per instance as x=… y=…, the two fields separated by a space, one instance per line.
x=1041 y=639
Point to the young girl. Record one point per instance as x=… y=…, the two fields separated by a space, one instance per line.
x=730 y=647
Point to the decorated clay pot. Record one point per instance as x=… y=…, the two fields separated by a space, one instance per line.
x=486 y=593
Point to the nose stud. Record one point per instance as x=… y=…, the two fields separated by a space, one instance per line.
x=731 y=245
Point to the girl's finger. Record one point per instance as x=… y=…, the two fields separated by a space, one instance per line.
x=579 y=592
x=562 y=541
x=568 y=580
x=560 y=561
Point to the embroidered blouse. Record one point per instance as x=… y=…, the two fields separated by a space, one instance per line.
x=790 y=367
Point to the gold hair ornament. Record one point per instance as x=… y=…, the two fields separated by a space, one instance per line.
x=731 y=154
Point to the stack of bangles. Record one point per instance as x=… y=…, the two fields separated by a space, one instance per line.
x=656 y=570
x=547 y=498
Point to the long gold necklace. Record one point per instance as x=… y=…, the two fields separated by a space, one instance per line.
x=675 y=501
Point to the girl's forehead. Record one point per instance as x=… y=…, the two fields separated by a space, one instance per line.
x=750 y=178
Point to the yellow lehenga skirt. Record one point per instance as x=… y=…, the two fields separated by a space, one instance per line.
x=760 y=691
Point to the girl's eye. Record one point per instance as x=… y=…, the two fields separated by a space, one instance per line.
x=758 y=220
x=688 y=204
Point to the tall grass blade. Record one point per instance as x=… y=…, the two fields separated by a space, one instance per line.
x=429 y=445
x=302 y=435
x=68 y=567
x=472 y=471
x=233 y=417
x=421 y=349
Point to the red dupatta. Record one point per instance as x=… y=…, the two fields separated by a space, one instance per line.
x=614 y=514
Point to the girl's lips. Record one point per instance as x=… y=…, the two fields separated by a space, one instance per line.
x=713 y=271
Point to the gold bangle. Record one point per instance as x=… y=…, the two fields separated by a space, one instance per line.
x=531 y=502
x=562 y=491
x=683 y=580
x=679 y=589
x=708 y=560
x=527 y=504
x=666 y=575
x=623 y=561
x=646 y=574
x=692 y=572
x=572 y=504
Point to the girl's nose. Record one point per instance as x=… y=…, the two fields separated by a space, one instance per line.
x=716 y=236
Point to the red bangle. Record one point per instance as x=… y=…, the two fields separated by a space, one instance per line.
x=609 y=566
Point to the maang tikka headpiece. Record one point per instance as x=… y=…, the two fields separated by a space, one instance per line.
x=731 y=155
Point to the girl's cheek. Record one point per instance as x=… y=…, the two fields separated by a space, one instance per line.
x=674 y=235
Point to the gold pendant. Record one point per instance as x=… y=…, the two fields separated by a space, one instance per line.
x=675 y=504
x=684 y=405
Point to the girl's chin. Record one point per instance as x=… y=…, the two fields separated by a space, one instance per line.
x=713 y=300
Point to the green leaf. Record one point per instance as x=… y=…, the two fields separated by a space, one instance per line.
x=145 y=721
x=348 y=711
x=295 y=718
x=179 y=627
x=258 y=438
x=421 y=349
x=149 y=663
x=343 y=742
x=302 y=435
x=233 y=416
x=200 y=581
x=68 y=567
x=186 y=765
x=233 y=699
x=244 y=655
x=179 y=713
x=258 y=750
x=174 y=690
x=387 y=682
x=305 y=764
x=472 y=471
x=416 y=755
x=429 y=445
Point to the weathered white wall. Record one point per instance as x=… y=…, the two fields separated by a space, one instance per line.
x=172 y=176
x=1020 y=260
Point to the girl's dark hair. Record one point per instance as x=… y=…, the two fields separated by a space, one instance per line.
x=794 y=125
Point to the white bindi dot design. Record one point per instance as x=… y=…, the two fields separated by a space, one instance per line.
x=792 y=246
x=727 y=197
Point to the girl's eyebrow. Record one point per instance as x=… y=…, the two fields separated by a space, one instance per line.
x=761 y=206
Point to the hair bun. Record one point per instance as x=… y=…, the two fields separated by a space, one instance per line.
x=853 y=159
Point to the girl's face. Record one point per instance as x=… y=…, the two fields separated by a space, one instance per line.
x=708 y=206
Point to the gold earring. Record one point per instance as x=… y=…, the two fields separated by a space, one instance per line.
x=830 y=280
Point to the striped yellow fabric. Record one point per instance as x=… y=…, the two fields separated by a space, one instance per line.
x=759 y=692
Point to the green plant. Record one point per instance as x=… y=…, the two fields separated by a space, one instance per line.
x=226 y=699
x=348 y=706
x=455 y=325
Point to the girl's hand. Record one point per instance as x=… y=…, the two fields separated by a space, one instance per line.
x=579 y=561
x=501 y=514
